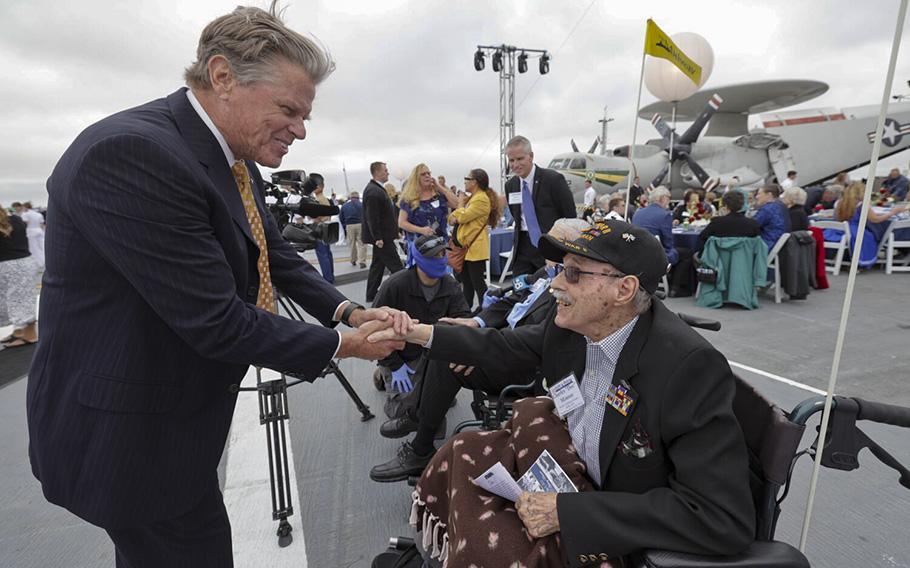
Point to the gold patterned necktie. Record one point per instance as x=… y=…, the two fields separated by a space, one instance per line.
x=266 y=297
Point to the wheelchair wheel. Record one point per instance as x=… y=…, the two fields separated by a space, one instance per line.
x=378 y=381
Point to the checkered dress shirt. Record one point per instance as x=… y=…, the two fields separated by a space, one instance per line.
x=585 y=422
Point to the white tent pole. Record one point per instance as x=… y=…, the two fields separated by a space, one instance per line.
x=854 y=264
x=641 y=79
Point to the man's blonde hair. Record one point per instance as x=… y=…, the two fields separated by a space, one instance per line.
x=253 y=41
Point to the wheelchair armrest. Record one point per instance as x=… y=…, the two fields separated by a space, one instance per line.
x=760 y=554
x=511 y=391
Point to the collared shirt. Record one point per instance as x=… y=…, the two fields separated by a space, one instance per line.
x=229 y=156
x=585 y=422
x=197 y=106
x=530 y=181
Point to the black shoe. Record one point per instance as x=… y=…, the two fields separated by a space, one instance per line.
x=401 y=427
x=363 y=265
x=402 y=466
x=398 y=427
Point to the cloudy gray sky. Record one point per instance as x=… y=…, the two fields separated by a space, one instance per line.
x=405 y=90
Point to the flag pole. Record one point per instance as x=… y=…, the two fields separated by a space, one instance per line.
x=854 y=264
x=641 y=80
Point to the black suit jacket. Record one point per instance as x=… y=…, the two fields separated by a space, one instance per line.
x=692 y=493
x=148 y=316
x=380 y=217
x=552 y=199
x=730 y=225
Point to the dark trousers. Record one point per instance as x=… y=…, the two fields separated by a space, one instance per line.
x=385 y=257
x=473 y=281
x=326 y=261
x=441 y=386
x=199 y=538
x=682 y=275
x=526 y=259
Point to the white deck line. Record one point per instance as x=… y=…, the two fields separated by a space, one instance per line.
x=247 y=492
x=777 y=378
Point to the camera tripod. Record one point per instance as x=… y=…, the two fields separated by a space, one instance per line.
x=273 y=413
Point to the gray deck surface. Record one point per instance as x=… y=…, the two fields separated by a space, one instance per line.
x=860 y=518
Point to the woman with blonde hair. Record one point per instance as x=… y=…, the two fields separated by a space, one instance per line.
x=849 y=207
x=19 y=278
x=476 y=211
x=392 y=192
x=424 y=205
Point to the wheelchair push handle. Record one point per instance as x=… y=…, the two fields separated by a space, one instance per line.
x=702 y=323
x=883 y=413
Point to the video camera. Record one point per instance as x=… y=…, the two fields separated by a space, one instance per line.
x=298 y=183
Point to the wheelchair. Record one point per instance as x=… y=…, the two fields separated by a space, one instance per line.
x=773 y=438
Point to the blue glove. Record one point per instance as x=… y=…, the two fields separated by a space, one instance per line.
x=401 y=380
x=488 y=300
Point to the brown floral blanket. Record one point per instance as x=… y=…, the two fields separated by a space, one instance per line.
x=464 y=526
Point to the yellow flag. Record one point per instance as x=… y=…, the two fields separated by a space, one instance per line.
x=659 y=44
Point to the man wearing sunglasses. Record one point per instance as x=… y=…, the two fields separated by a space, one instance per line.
x=656 y=429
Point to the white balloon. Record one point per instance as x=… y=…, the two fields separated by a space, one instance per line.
x=399 y=173
x=666 y=82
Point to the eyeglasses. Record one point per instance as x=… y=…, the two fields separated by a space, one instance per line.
x=573 y=273
x=469 y=179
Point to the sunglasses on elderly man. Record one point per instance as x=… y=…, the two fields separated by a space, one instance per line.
x=573 y=273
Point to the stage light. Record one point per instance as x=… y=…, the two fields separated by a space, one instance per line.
x=497 y=61
x=523 y=62
x=479 y=61
x=544 y=66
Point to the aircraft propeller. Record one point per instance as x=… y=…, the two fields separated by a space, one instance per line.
x=682 y=145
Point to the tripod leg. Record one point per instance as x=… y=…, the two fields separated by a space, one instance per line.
x=365 y=413
x=273 y=415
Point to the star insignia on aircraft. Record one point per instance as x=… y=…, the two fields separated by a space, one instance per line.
x=892 y=134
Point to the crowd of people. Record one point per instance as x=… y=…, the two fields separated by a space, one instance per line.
x=21 y=264
x=164 y=295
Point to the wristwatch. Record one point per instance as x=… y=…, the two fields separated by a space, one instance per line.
x=348 y=310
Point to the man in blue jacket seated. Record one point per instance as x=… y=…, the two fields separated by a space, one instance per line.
x=896 y=184
x=772 y=215
x=657 y=219
x=528 y=304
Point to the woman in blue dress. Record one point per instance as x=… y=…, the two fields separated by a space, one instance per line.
x=424 y=205
x=849 y=207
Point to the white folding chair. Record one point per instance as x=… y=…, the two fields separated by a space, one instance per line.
x=774 y=263
x=892 y=244
x=663 y=281
x=507 y=268
x=840 y=246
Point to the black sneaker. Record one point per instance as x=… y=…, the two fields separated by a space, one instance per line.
x=402 y=466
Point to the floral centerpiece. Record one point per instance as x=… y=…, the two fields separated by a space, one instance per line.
x=884 y=198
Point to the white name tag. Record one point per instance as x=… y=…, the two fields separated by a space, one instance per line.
x=515 y=198
x=434 y=204
x=566 y=395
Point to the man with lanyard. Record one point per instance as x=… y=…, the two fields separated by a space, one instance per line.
x=647 y=399
x=537 y=197
x=528 y=305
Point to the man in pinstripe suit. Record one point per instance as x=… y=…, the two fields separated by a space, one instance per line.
x=158 y=295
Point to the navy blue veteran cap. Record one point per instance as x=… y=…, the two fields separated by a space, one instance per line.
x=430 y=245
x=630 y=249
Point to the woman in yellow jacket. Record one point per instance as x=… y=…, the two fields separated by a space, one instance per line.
x=476 y=211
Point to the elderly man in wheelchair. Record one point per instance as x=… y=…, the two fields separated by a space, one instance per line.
x=645 y=431
x=527 y=304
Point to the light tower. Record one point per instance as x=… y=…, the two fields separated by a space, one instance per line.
x=503 y=61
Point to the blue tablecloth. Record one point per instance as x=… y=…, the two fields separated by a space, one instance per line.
x=686 y=238
x=500 y=241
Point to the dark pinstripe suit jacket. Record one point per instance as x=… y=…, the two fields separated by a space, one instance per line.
x=147 y=316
